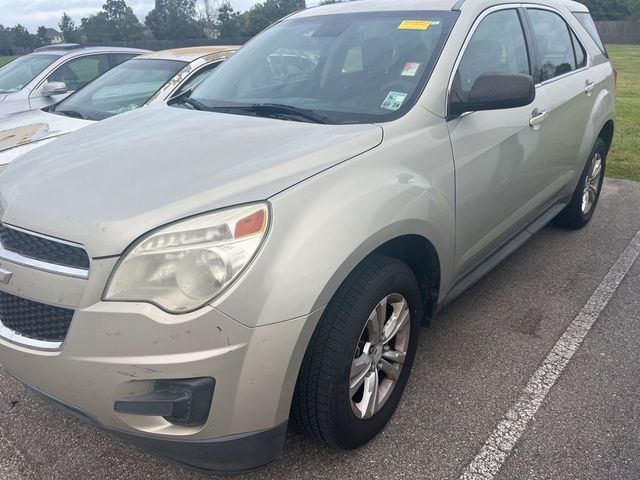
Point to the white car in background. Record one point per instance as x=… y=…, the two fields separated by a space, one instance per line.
x=51 y=73
x=144 y=80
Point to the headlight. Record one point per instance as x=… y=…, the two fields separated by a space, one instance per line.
x=187 y=264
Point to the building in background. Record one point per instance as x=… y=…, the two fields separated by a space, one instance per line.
x=54 y=36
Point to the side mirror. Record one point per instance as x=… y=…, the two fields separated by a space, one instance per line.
x=54 y=88
x=495 y=91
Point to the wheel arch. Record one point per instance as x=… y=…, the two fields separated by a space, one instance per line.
x=606 y=133
x=416 y=250
x=422 y=258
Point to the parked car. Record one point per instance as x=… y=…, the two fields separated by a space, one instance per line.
x=194 y=275
x=145 y=80
x=50 y=73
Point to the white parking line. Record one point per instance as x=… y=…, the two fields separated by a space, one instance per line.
x=492 y=455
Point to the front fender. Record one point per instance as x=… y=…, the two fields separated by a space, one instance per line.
x=324 y=227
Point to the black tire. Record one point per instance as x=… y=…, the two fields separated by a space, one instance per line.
x=321 y=405
x=573 y=217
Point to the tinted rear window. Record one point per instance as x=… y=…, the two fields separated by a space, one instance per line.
x=555 y=46
x=589 y=25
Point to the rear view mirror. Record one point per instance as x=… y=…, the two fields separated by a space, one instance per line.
x=495 y=91
x=54 y=88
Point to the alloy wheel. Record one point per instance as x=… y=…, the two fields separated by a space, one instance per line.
x=592 y=184
x=379 y=355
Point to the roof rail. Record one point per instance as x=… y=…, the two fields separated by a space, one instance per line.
x=59 y=46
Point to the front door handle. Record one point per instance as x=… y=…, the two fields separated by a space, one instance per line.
x=537 y=117
x=589 y=86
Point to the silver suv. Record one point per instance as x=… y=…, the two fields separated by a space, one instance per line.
x=266 y=247
x=51 y=73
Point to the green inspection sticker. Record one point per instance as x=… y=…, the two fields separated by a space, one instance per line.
x=393 y=101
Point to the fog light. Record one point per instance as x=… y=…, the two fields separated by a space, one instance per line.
x=182 y=402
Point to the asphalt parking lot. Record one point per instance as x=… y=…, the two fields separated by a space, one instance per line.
x=472 y=368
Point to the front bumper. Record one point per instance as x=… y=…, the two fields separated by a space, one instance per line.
x=230 y=454
x=117 y=350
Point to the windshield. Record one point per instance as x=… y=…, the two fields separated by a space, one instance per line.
x=17 y=74
x=346 y=68
x=125 y=87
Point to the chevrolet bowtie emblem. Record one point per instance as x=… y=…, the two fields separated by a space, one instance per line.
x=5 y=275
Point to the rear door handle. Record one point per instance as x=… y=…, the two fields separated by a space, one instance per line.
x=589 y=86
x=537 y=117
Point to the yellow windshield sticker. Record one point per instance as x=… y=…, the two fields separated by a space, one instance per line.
x=414 y=25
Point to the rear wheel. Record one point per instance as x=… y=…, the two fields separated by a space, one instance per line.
x=585 y=197
x=360 y=356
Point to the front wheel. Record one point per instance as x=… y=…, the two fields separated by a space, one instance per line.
x=585 y=197
x=360 y=356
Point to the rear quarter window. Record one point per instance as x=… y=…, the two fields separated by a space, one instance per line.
x=589 y=25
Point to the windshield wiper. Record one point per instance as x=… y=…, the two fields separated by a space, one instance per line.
x=184 y=98
x=194 y=103
x=274 y=110
x=268 y=109
x=69 y=113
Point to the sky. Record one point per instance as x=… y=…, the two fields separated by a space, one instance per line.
x=32 y=13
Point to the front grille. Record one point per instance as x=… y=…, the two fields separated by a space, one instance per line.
x=42 y=249
x=33 y=319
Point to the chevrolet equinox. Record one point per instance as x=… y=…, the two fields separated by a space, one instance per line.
x=265 y=247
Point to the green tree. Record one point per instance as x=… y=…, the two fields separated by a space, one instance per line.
x=68 y=28
x=5 y=42
x=254 y=22
x=608 y=9
x=98 y=29
x=261 y=15
x=174 y=20
x=228 y=22
x=207 y=17
x=232 y=24
x=42 y=36
x=115 y=22
x=20 y=37
x=125 y=24
x=634 y=9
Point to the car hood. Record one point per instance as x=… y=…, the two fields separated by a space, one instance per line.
x=113 y=181
x=2 y=97
x=24 y=128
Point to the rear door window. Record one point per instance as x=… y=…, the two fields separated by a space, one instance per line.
x=581 y=56
x=555 y=46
